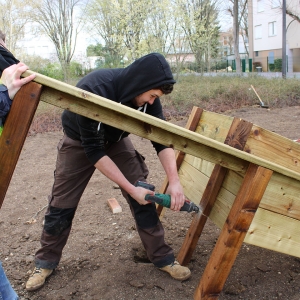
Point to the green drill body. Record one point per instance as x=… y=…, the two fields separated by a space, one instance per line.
x=165 y=199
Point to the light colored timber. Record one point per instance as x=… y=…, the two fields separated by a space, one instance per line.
x=109 y=112
x=274 y=147
x=280 y=202
x=134 y=121
x=266 y=231
x=279 y=206
x=261 y=142
x=214 y=127
x=281 y=195
x=278 y=215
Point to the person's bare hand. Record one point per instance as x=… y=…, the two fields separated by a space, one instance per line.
x=11 y=78
x=139 y=195
x=177 y=195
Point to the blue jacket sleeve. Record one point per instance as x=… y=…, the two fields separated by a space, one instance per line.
x=5 y=101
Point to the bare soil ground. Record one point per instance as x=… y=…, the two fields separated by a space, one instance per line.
x=103 y=258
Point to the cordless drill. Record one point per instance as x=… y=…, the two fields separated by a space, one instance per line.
x=165 y=199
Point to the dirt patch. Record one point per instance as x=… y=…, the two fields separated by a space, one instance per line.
x=104 y=259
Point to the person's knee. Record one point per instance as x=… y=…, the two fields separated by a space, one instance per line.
x=145 y=215
x=58 y=219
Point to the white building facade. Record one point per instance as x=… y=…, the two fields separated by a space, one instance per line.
x=266 y=31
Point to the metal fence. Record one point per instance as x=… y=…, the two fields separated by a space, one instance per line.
x=269 y=64
x=261 y=64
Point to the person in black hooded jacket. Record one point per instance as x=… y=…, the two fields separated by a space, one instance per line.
x=88 y=145
x=6 y=57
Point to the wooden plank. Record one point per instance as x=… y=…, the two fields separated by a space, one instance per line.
x=281 y=195
x=233 y=233
x=277 y=216
x=109 y=112
x=214 y=126
x=193 y=181
x=15 y=131
x=274 y=147
x=199 y=220
x=261 y=142
x=134 y=121
x=236 y=137
x=275 y=232
x=190 y=125
x=199 y=164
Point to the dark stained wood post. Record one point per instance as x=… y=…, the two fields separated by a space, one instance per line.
x=233 y=233
x=237 y=137
x=15 y=131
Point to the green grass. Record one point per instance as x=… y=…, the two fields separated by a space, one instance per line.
x=221 y=93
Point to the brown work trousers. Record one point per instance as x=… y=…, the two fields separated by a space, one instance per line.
x=72 y=174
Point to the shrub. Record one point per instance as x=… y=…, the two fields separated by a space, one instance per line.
x=272 y=67
x=278 y=64
x=52 y=70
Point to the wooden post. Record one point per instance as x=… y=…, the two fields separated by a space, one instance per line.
x=236 y=137
x=191 y=124
x=15 y=131
x=233 y=233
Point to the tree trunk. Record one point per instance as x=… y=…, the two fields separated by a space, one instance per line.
x=236 y=36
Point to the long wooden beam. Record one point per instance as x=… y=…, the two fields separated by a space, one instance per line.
x=101 y=109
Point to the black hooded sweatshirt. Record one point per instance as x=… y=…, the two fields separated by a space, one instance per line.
x=6 y=59
x=121 y=86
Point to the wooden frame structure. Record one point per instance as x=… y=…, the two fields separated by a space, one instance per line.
x=15 y=131
x=233 y=168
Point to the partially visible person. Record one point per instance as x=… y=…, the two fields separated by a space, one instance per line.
x=10 y=83
x=6 y=290
x=6 y=57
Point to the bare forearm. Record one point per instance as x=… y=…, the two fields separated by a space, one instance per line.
x=108 y=168
x=168 y=161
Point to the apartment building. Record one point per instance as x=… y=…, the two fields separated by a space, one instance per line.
x=266 y=31
x=226 y=47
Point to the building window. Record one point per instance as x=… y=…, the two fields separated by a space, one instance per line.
x=275 y=3
x=256 y=53
x=258 y=32
x=260 y=5
x=272 y=29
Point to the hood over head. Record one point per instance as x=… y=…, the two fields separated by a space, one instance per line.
x=144 y=74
